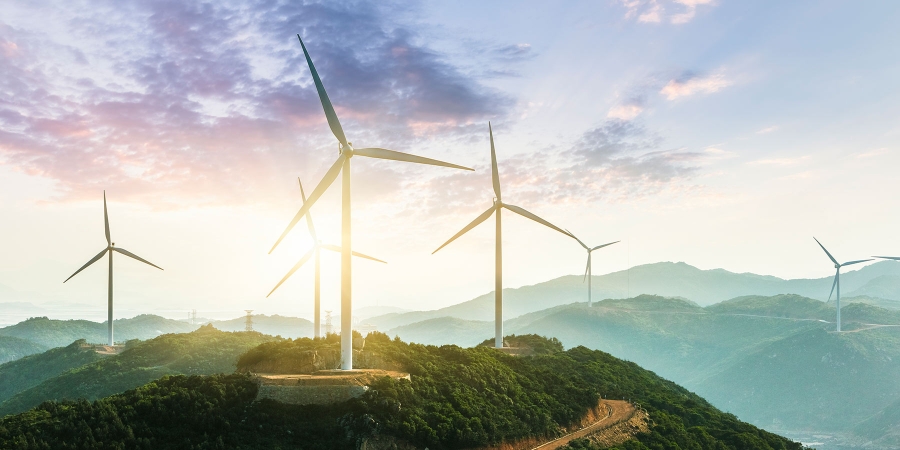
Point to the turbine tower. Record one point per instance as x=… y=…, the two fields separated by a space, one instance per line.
x=342 y=165
x=110 y=248
x=317 y=246
x=837 y=281
x=498 y=250
x=587 y=269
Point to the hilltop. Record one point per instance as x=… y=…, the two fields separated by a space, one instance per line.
x=202 y=352
x=456 y=398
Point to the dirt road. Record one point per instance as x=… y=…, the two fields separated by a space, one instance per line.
x=618 y=411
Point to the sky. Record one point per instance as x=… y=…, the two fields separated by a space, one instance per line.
x=720 y=133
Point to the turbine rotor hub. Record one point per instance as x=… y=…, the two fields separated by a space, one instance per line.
x=837 y=266
x=346 y=150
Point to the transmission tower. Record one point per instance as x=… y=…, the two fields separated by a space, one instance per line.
x=327 y=323
x=249 y=323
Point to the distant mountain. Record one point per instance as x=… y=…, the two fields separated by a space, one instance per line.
x=30 y=371
x=13 y=348
x=58 y=333
x=202 y=352
x=674 y=280
x=287 y=327
x=443 y=330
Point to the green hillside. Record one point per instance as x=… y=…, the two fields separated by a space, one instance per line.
x=30 y=371
x=457 y=398
x=770 y=360
x=202 y=352
x=59 y=333
x=13 y=348
x=813 y=378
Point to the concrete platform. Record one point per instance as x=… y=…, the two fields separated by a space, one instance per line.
x=320 y=388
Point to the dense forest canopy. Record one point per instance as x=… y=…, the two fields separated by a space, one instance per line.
x=456 y=398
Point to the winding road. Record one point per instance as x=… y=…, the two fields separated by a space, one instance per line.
x=617 y=411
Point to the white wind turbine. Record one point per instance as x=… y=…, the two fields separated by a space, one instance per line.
x=342 y=165
x=110 y=248
x=837 y=280
x=497 y=207
x=314 y=251
x=587 y=269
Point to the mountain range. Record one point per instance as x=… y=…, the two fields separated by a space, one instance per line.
x=877 y=283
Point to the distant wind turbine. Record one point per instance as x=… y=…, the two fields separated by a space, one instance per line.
x=342 y=164
x=317 y=246
x=837 y=280
x=587 y=269
x=498 y=268
x=110 y=247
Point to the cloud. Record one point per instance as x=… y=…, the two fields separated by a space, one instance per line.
x=691 y=84
x=780 y=161
x=624 y=112
x=209 y=102
x=873 y=153
x=767 y=130
x=657 y=11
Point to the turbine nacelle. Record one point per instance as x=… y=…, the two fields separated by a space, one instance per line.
x=346 y=150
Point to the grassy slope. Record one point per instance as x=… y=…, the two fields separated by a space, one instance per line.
x=205 y=351
x=13 y=348
x=457 y=398
x=30 y=371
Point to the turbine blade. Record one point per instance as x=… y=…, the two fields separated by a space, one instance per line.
x=392 y=155
x=323 y=96
x=604 y=245
x=855 y=262
x=495 y=174
x=520 y=211
x=329 y=178
x=294 y=269
x=337 y=249
x=836 y=275
x=93 y=260
x=468 y=227
x=579 y=240
x=132 y=255
x=309 y=221
x=895 y=258
x=106 y=220
x=826 y=252
x=360 y=255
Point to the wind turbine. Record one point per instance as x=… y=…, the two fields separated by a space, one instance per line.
x=587 y=269
x=110 y=248
x=837 y=280
x=497 y=207
x=314 y=251
x=342 y=165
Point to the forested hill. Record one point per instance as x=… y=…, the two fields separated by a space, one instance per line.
x=456 y=398
x=69 y=373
